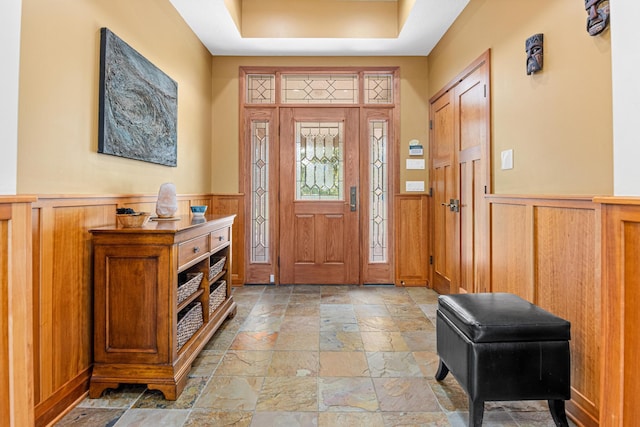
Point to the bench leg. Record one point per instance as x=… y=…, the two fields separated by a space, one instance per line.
x=442 y=371
x=476 y=413
x=558 y=413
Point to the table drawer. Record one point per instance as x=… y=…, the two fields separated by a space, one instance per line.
x=219 y=238
x=192 y=249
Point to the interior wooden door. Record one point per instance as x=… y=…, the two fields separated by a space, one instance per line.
x=472 y=156
x=444 y=192
x=460 y=176
x=319 y=179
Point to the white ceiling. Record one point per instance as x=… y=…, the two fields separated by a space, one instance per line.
x=426 y=24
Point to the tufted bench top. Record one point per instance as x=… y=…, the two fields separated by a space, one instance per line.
x=502 y=317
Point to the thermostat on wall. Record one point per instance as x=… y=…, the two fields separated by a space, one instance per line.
x=415 y=148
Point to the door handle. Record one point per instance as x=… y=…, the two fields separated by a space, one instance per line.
x=454 y=205
x=353 y=199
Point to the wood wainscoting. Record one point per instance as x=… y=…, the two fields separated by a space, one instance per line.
x=412 y=239
x=547 y=250
x=63 y=284
x=621 y=305
x=233 y=204
x=16 y=376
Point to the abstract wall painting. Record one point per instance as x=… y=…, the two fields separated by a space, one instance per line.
x=138 y=105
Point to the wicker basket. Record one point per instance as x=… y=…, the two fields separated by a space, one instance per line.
x=188 y=288
x=217 y=295
x=133 y=220
x=189 y=321
x=216 y=267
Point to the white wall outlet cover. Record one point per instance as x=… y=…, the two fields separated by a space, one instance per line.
x=506 y=158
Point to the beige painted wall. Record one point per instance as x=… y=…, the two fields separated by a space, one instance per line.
x=558 y=122
x=58 y=110
x=413 y=108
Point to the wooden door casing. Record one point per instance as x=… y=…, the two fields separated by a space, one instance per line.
x=266 y=102
x=319 y=240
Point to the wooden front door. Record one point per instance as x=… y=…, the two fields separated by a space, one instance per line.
x=460 y=170
x=319 y=195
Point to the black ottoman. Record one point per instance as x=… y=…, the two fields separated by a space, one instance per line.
x=500 y=347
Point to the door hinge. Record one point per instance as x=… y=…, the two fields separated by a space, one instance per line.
x=278 y=261
x=431 y=124
x=430 y=191
x=485 y=90
x=430 y=259
x=485 y=189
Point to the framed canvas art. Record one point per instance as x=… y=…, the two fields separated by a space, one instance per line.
x=138 y=105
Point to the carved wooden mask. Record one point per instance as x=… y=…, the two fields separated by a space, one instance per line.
x=597 y=16
x=533 y=47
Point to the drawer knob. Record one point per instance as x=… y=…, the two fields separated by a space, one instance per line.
x=196 y=249
x=220 y=238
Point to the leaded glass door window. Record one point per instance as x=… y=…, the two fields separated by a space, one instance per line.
x=260 y=235
x=320 y=89
x=319 y=161
x=378 y=192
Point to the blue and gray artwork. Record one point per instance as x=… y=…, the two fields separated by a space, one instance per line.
x=138 y=105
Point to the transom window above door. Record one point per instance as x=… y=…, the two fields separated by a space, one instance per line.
x=328 y=89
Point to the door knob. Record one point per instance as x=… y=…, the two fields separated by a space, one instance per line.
x=454 y=205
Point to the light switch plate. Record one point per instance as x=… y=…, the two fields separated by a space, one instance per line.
x=506 y=158
x=415 y=163
x=414 y=185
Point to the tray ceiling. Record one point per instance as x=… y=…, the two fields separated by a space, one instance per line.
x=319 y=27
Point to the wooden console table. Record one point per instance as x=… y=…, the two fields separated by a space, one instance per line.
x=160 y=293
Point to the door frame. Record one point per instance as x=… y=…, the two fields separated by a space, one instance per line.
x=259 y=273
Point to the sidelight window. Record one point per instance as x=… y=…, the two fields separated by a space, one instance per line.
x=260 y=191
x=378 y=191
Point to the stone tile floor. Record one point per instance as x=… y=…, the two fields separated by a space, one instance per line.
x=334 y=356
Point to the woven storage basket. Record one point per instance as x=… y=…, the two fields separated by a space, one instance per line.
x=217 y=295
x=189 y=323
x=218 y=264
x=190 y=286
